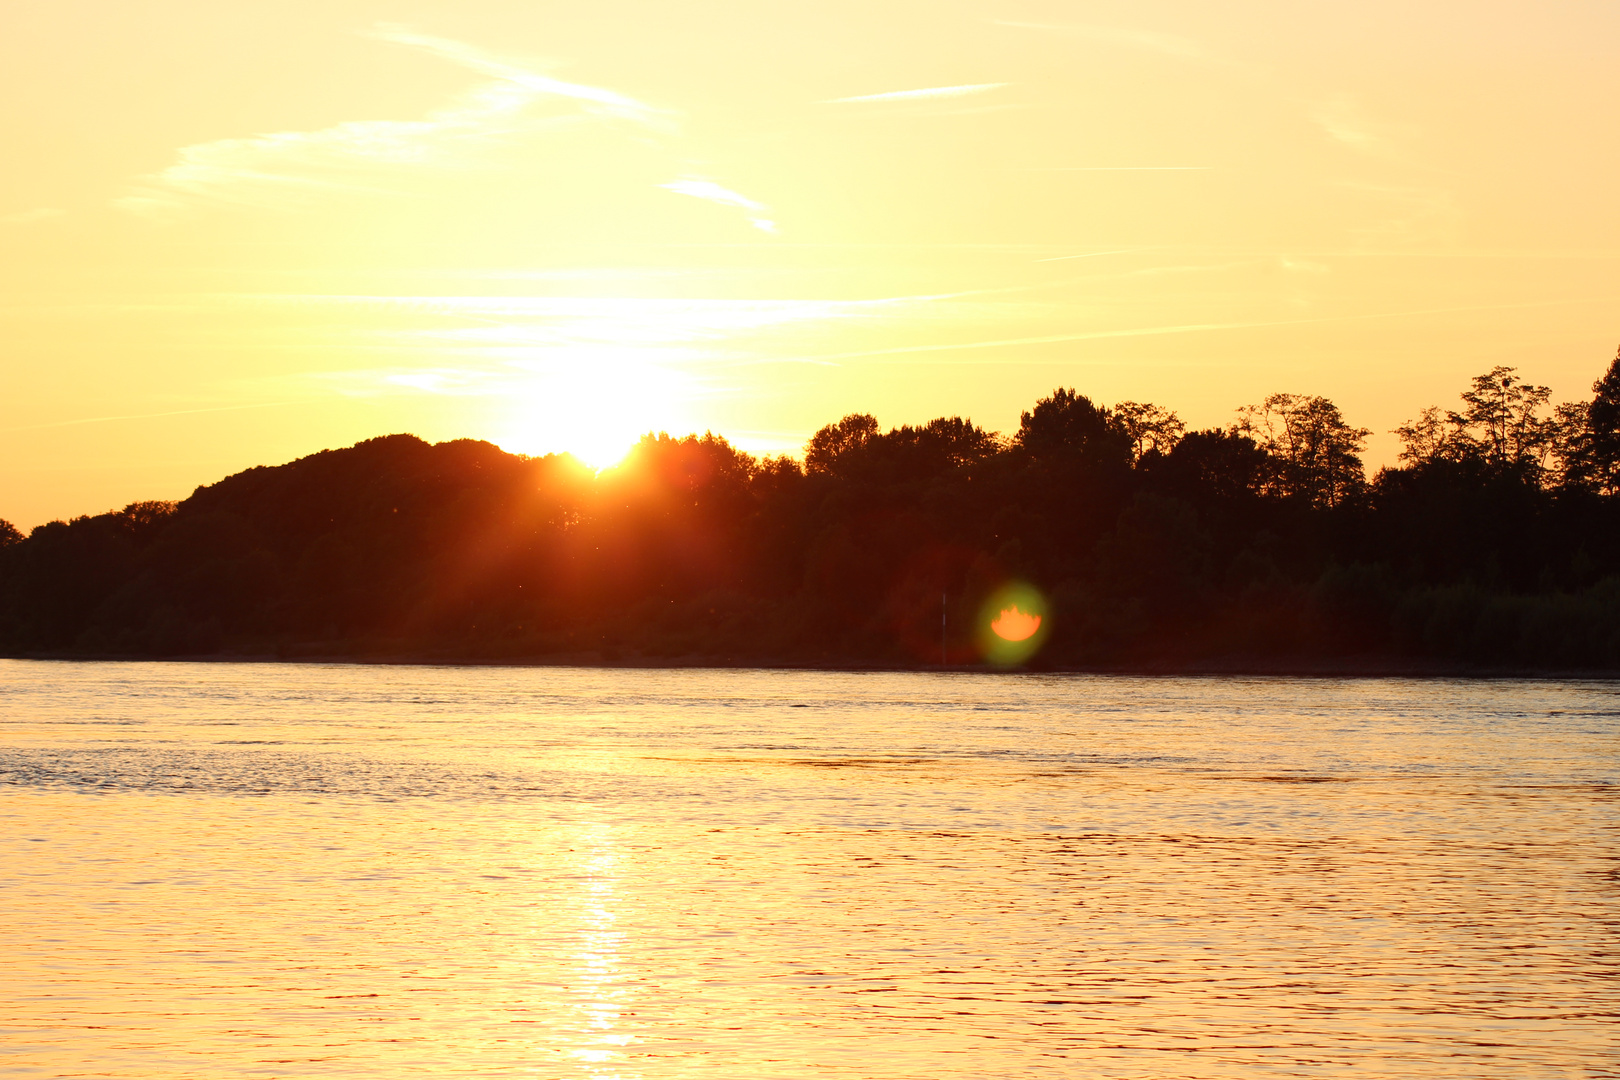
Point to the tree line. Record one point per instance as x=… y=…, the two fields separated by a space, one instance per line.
x=1495 y=542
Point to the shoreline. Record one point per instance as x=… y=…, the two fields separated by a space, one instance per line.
x=1342 y=668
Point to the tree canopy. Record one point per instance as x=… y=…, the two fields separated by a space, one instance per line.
x=1495 y=541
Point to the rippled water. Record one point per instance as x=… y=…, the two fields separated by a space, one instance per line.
x=276 y=871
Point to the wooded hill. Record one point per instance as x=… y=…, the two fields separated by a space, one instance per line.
x=1495 y=543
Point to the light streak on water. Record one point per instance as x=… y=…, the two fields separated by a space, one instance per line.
x=279 y=871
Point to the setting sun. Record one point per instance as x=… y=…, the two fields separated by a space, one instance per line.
x=859 y=539
x=299 y=225
x=592 y=403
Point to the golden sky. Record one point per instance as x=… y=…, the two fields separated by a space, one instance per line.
x=235 y=233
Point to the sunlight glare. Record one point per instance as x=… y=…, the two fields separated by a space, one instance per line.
x=593 y=406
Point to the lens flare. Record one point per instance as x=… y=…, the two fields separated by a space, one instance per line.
x=1013 y=624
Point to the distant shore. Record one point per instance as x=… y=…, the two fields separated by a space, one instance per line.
x=1367 y=667
x=1118 y=540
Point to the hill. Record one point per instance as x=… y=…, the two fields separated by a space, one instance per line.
x=1496 y=543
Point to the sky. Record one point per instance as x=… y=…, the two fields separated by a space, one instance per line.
x=235 y=234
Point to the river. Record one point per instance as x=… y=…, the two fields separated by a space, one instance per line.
x=263 y=870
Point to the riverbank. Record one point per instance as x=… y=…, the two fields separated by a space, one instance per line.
x=1358 y=667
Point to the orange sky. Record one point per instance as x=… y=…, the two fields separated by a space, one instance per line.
x=232 y=234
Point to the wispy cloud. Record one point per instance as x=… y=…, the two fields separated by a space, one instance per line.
x=923 y=94
x=595 y=97
x=289 y=167
x=590 y=374
x=1155 y=331
x=147 y=415
x=1089 y=255
x=1346 y=122
x=30 y=217
x=575 y=323
x=1044 y=339
x=1151 y=41
x=699 y=188
x=1129 y=168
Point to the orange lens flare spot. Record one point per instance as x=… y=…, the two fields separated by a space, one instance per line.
x=1014 y=625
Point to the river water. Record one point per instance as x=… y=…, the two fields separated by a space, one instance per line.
x=215 y=870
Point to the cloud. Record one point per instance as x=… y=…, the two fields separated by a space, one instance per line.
x=515 y=326
x=1089 y=255
x=368 y=156
x=148 y=415
x=919 y=95
x=587 y=373
x=597 y=98
x=1344 y=121
x=29 y=217
x=1167 y=44
x=1340 y=118
x=1128 y=168
x=1153 y=331
x=1302 y=266
x=699 y=188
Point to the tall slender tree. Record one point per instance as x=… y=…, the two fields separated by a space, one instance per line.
x=1603 y=422
x=1503 y=420
x=1316 y=456
x=1152 y=429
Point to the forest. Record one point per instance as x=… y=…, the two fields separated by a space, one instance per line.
x=1494 y=545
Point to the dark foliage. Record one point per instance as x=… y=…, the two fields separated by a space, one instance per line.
x=1497 y=542
x=1603 y=431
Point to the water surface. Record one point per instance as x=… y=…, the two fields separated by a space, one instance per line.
x=276 y=870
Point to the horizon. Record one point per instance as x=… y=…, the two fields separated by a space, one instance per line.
x=237 y=237
x=619 y=455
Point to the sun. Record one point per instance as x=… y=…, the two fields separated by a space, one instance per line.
x=595 y=409
x=600 y=446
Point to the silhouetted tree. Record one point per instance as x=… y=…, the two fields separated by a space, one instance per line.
x=1068 y=424
x=854 y=449
x=1152 y=429
x=1431 y=437
x=1603 y=420
x=1213 y=463
x=148 y=515
x=832 y=442
x=1506 y=425
x=1317 y=455
x=9 y=534
x=948 y=442
x=1503 y=423
x=1152 y=543
x=1575 y=465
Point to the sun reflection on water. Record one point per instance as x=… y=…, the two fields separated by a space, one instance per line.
x=241 y=871
x=600 y=982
